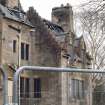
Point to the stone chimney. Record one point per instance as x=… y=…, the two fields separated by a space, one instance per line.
x=10 y=3
x=13 y=3
x=63 y=16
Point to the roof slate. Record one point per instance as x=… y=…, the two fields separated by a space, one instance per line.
x=56 y=30
x=54 y=27
x=14 y=14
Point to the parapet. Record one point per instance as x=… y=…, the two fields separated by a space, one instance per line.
x=62 y=7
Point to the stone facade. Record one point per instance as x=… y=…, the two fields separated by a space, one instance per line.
x=10 y=3
x=28 y=39
x=8 y=35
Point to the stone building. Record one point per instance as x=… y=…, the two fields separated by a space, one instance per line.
x=28 y=39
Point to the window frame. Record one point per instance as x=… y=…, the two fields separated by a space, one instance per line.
x=25 y=51
x=14 y=46
x=37 y=88
x=77 y=89
x=22 y=51
x=24 y=87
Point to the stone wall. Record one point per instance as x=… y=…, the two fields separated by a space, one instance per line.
x=8 y=35
x=0 y=36
x=50 y=87
x=41 y=53
x=48 y=51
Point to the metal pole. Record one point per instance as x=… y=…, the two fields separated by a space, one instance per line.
x=19 y=57
x=5 y=86
x=48 y=69
x=19 y=47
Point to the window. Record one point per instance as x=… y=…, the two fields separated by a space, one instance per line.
x=24 y=87
x=14 y=46
x=81 y=89
x=77 y=88
x=27 y=87
x=24 y=51
x=37 y=88
x=27 y=51
x=21 y=87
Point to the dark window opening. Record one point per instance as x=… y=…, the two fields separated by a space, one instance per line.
x=21 y=87
x=27 y=51
x=14 y=46
x=27 y=87
x=24 y=87
x=22 y=50
x=37 y=88
x=78 y=89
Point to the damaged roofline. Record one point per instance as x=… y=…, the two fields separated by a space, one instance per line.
x=19 y=22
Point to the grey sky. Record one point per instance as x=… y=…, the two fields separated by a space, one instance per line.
x=44 y=7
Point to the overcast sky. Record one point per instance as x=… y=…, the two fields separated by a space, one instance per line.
x=44 y=7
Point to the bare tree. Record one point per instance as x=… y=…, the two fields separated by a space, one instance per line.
x=92 y=18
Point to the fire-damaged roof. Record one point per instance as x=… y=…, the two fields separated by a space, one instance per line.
x=56 y=30
x=54 y=27
x=76 y=53
x=14 y=14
